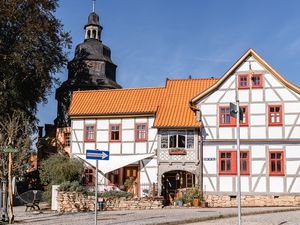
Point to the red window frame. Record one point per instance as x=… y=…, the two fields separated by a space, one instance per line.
x=86 y=131
x=141 y=131
x=232 y=120
x=275 y=115
x=89 y=176
x=245 y=158
x=224 y=159
x=277 y=161
x=243 y=76
x=260 y=85
x=111 y=135
x=244 y=123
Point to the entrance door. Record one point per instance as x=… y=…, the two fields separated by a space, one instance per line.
x=131 y=179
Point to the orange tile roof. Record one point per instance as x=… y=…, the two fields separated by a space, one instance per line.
x=170 y=103
x=116 y=101
x=174 y=110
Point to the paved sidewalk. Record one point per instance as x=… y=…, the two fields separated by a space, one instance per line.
x=139 y=217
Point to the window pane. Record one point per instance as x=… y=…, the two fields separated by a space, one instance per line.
x=164 y=141
x=278 y=155
x=278 y=166
x=222 y=165
x=222 y=155
x=190 y=141
x=228 y=165
x=273 y=167
x=273 y=155
x=244 y=166
x=172 y=141
x=228 y=155
x=181 y=141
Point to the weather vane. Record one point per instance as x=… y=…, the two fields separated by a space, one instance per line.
x=94 y=3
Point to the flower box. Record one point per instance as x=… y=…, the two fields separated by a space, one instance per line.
x=177 y=151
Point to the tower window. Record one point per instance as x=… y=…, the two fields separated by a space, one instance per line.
x=94 y=34
x=89 y=34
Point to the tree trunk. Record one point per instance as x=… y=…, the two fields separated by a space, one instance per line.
x=10 y=194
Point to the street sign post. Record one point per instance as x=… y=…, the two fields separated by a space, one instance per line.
x=96 y=155
x=237 y=112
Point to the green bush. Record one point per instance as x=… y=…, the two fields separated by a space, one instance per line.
x=191 y=194
x=71 y=186
x=116 y=194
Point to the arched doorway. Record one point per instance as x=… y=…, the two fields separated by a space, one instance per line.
x=175 y=181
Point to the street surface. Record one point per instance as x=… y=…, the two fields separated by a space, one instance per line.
x=162 y=216
x=283 y=218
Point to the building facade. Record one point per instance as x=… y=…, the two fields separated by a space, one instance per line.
x=182 y=135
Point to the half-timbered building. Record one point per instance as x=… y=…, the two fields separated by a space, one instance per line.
x=182 y=135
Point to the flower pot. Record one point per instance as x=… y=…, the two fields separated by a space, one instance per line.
x=180 y=203
x=196 y=202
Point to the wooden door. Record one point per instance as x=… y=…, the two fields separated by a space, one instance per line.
x=131 y=177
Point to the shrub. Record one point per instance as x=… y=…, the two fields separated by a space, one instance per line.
x=192 y=193
x=116 y=194
x=70 y=186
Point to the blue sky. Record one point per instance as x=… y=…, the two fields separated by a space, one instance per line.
x=155 y=39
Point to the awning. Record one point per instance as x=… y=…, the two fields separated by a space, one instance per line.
x=115 y=161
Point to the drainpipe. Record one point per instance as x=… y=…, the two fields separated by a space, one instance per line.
x=200 y=146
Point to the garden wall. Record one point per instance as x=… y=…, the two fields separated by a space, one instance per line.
x=252 y=201
x=78 y=202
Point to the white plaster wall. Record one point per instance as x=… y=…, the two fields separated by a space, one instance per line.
x=151 y=122
x=271 y=95
x=210 y=121
x=296 y=132
x=214 y=97
x=296 y=186
x=286 y=94
x=89 y=146
x=258 y=108
x=291 y=107
x=128 y=148
x=244 y=183
x=77 y=124
x=243 y=133
x=152 y=134
x=209 y=151
x=276 y=184
x=258 y=132
x=127 y=123
x=141 y=147
x=290 y=119
x=275 y=132
x=77 y=135
x=228 y=84
x=141 y=120
x=115 y=148
x=208 y=110
x=211 y=166
x=256 y=120
x=257 y=166
x=102 y=135
x=258 y=151
x=261 y=186
x=225 y=133
x=152 y=146
x=272 y=80
x=292 y=151
x=226 y=184
x=257 y=95
x=90 y=121
x=207 y=186
x=77 y=147
x=211 y=133
x=243 y=96
x=128 y=135
x=228 y=97
x=292 y=167
x=103 y=124
x=102 y=146
x=115 y=121
x=150 y=162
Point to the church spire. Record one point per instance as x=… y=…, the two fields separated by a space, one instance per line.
x=93 y=28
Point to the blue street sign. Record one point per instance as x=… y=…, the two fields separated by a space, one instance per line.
x=97 y=154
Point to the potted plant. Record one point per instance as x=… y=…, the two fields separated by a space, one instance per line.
x=179 y=201
x=193 y=196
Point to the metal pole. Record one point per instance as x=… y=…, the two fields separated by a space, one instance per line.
x=238 y=161
x=96 y=191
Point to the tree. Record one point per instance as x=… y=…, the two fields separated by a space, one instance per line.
x=32 y=43
x=15 y=131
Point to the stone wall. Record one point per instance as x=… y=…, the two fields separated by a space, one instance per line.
x=77 y=202
x=252 y=201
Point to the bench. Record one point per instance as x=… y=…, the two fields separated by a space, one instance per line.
x=33 y=205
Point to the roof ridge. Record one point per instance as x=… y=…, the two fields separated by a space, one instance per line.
x=118 y=89
x=198 y=78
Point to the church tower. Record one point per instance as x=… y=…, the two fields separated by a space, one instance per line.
x=90 y=69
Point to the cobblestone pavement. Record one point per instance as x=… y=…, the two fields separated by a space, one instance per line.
x=280 y=218
x=139 y=217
